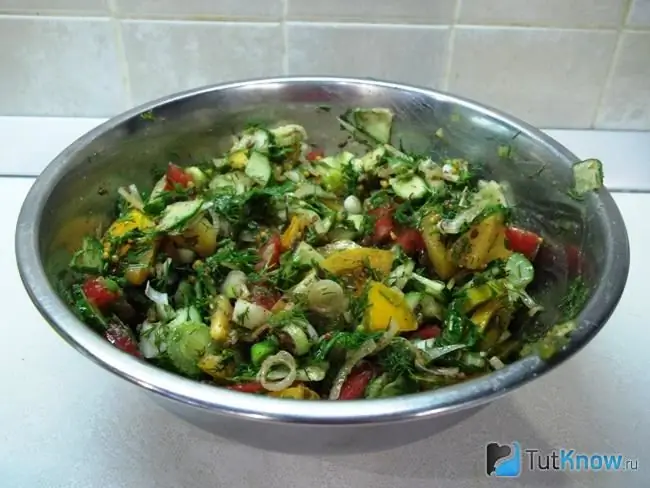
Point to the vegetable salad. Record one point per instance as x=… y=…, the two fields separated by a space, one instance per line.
x=280 y=270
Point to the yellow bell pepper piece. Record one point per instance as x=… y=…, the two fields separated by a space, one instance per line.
x=386 y=304
x=471 y=249
x=484 y=314
x=480 y=294
x=436 y=250
x=299 y=392
x=499 y=250
x=238 y=160
x=220 y=319
x=215 y=366
x=293 y=233
x=201 y=237
x=133 y=220
x=354 y=260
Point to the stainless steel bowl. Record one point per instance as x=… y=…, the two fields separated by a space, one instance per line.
x=76 y=192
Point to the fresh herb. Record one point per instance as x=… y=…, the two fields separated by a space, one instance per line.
x=288 y=274
x=575 y=299
x=344 y=340
x=85 y=310
x=459 y=329
x=245 y=372
x=397 y=358
x=228 y=257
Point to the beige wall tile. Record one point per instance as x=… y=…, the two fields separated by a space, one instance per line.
x=556 y=13
x=54 y=6
x=165 y=57
x=398 y=53
x=221 y=9
x=626 y=102
x=639 y=14
x=406 y=11
x=550 y=78
x=59 y=67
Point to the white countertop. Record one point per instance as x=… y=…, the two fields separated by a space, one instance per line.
x=67 y=423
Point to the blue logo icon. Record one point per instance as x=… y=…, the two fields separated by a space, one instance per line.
x=503 y=460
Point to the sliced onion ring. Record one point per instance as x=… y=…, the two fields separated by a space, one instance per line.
x=282 y=358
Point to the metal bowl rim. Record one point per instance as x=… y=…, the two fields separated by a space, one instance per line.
x=450 y=399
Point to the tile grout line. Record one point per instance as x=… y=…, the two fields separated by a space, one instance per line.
x=259 y=20
x=612 y=65
x=121 y=52
x=451 y=40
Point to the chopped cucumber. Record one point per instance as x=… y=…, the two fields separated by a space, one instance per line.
x=198 y=177
x=178 y=215
x=322 y=226
x=252 y=138
x=376 y=122
x=307 y=255
x=413 y=299
x=258 y=168
x=455 y=170
x=236 y=180
x=368 y=162
x=156 y=202
x=588 y=176
x=89 y=259
x=186 y=346
x=356 y=221
x=158 y=189
x=432 y=287
x=289 y=135
x=409 y=188
x=431 y=309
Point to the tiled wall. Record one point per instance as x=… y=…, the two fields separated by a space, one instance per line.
x=555 y=63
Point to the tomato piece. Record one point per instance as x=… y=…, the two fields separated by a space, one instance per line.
x=121 y=337
x=523 y=241
x=176 y=177
x=355 y=384
x=315 y=154
x=270 y=253
x=410 y=241
x=264 y=296
x=427 y=332
x=381 y=212
x=101 y=292
x=384 y=226
x=252 y=387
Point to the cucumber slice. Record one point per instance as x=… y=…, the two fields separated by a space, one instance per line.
x=178 y=215
x=258 y=168
x=376 y=122
x=410 y=188
x=235 y=180
x=370 y=160
x=588 y=176
x=289 y=135
x=187 y=344
x=356 y=221
x=307 y=255
x=413 y=299
x=156 y=202
x=198 y=177
x=89 y=259
x=257 y=139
